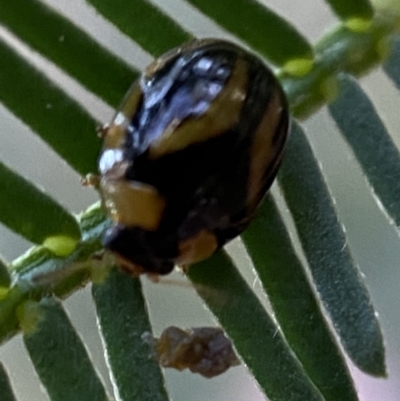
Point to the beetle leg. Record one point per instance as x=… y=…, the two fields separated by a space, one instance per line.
x=102 y=130
x=91 y=180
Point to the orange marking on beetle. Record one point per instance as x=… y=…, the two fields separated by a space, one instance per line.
x=133 y=204
x=197 y=248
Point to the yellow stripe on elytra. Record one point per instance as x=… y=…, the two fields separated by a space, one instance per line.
x=263 y=151
x=222 y=114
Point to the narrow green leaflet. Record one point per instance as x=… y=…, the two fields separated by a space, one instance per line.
x=69 y=47
x=58 y=354
x=255 y=336
x=123 y=319
x=5 y=386
x=294 y=303
x=144 y=23
x=346 y=10
x=4 y=275
x=256 y=24
x=392 y=64
x=261 y=28
x=334 y=271
x=30 y=212
x=372 y=145
x=56 y=118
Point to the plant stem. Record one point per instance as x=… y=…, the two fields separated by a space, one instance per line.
x=341 y=50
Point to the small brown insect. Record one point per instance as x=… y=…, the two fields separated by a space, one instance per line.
x=203 y=350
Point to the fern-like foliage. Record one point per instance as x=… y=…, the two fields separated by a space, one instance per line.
x=314 y=285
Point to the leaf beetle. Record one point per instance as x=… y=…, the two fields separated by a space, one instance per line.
x=189 y=155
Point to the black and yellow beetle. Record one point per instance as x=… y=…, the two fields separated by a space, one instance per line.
x=189 y=155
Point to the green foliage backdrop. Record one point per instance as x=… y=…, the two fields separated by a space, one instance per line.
x=294 y=354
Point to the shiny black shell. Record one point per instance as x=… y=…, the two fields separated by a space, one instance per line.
x=189 y=155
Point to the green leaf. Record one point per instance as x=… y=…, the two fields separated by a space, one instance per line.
x=39 y=272
x=69 y=47
x=143 y=22
x=4 y=276
x=261 y=28
x=39 y=217
x=58 y=354
x=334 y=271
x=256 y=337
x=372 y=145
x=5 y=386
x=55 y=117
x=295 y=305
x=123 y=319
x=392 y=64
x=345 y=9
